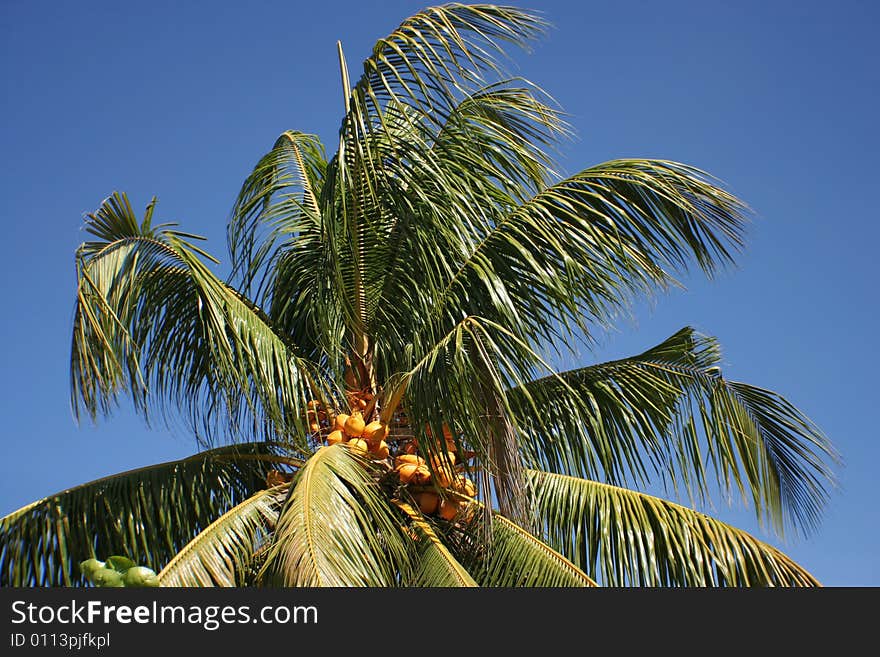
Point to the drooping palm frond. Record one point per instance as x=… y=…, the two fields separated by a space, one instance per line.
x=626 y=538
x=278 y=206
x=515 y=557
x=277 y=241
x=436 y=565
x=437 y=56
x=223 y=553
x=669 y=411
x=336 y=528
x=152 y=319
x=574 y=255
x=148 y=514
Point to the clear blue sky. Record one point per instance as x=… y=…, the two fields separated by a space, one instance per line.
x=179 y=99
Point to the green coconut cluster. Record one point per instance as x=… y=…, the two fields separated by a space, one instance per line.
x=118 y=571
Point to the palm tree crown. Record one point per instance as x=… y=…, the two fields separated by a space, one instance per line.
x=373 y=368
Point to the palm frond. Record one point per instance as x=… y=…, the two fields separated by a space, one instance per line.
x=414 y=78
x=152 y=319
x=437 y=567
x=515 y=557
x=669 y=412
x=578 y=251
x=148 y=514
x=442 y=190
x=336 y=528
x=438 y=54
x=626 y=538
x=223 y=553
x=278 y=205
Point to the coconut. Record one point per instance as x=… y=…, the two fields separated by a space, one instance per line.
x=315 y=427
x=464 y=486
x=339 y=422
x=408 y=458
x=444 y=476
x=406 y=471
x=447 y=459
x=427 y=501
x=375 y=431
x=421 y=476
x=448 y=509
x=119 y=563
x=359 y=446
x=107 y=577
x=140 y=576
x=380 y=450
x=89 y=566
x=354 y=425
x=335 y=436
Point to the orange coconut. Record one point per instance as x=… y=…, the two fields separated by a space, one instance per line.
x=443 y=459
x=354 y=425
x=314 y=426
x=427 y=501
x=464 y=486
x=448 y=509
x=339 y=422
x=379 y=450
x=406 y=471
x=375 y=432
x=421 y=476
x=443 y=476
x=407 y=459
x=358 y=446
x=335 y=436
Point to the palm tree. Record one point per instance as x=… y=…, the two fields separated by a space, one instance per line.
x=418 y=282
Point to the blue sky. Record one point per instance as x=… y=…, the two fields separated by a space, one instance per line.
x=777 y=99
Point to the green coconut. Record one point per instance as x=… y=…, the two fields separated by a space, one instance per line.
x=89 y=566
x=107 y=578
x=140 y=576
x=119 y=563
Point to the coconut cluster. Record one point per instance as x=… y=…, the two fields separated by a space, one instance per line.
x=436 y=485
x=445 y=488
x=118 y=571
x=362 y=437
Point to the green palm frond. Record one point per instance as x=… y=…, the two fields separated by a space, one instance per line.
x=669 y=411
x=580 y=249
x=626 y=538
x=442 y=191
x=277 y=236
x=437 y=567
x=515 y=557
x=223 y=553
x=336 y=528
x=419 y=73
x=152 y=319
x=279 y=205
x=148 y=514
x=438 y=55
